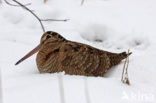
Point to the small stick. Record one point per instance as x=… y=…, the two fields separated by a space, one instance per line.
x=40 y=20
x=123 y=71
x=124 y=77
x=126 y=73
x=54 y=20
x=14 y=4
x=31 y=13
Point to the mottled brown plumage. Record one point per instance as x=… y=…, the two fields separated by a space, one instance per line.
x=56 y=54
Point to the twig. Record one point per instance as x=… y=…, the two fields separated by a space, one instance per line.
x=54 y=20
x=123 y=71
x=124 y=77
x=31 y=13
x=40 y=20
x=126 y=71
x=16 y=5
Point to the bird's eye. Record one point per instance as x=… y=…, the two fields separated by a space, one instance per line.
x=48 y=36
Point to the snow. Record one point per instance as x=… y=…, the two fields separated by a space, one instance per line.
x=119 y=24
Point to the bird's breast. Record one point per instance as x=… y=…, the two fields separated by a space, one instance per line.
x=48 y=60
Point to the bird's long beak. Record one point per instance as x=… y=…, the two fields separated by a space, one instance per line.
x=29 y=54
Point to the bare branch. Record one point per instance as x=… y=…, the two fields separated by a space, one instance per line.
x=124 y=77
x=40 y=20
x=123 y=71
x=54 y=20
x=23 y=6
x=16 y=5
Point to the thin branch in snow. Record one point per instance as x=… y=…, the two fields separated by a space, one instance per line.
x=124 y=77
x=38 y=18
x=54 y=20
x=31 y=13
x=16 y=5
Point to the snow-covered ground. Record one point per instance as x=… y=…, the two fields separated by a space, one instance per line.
x=119 y=24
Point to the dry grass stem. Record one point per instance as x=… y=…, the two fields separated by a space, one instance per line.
x=124 y=77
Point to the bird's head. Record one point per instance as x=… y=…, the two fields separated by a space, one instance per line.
x=47 y=37
x=51 y=36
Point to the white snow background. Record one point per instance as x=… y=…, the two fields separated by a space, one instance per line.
x=119 y=24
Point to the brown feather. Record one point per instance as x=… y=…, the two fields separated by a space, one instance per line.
x=58 y=54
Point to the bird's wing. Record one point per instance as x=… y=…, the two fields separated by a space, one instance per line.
x=83 y=59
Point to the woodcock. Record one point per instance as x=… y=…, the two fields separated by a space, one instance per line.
x=57 y=54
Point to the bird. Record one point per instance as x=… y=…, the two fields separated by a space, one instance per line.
x=57 y=54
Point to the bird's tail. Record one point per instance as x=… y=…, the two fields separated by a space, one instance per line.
x=125 y=55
